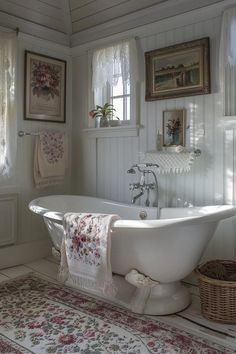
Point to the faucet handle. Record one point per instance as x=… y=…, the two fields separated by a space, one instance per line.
x=150 y=164
x=133 y=186
x=149 y=186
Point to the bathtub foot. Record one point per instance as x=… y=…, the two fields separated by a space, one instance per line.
x=154 y=298
x=143 y=286
x=165 y=299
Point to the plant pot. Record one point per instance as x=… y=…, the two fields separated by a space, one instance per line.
x=114 y=122
x=104 y=122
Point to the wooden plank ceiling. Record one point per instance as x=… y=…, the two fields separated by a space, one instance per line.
x=72 y=22
x=89 y=13
x=82 y=14
x=47 y=13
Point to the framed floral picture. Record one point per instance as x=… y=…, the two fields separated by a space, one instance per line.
x=45 y=88
x=174 y=127
x=179 y=70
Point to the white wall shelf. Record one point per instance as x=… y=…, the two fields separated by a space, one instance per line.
x=170 y=162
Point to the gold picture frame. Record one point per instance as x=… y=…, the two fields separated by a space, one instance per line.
x=179 y=70
x=174 y=127
x=45 y=88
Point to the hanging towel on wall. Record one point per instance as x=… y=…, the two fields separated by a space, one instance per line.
x=85 y=251
x=50 y=158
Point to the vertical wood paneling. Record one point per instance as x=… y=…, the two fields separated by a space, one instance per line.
x=198 y=108
x=8 y=219
x=213 y=175
x=114 y=158
x=30 y=227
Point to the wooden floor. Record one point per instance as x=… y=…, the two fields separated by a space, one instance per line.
x=190 y=319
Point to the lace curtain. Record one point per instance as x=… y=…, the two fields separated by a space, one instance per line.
x=7 y=102
x=228 y=61
x=111 y=62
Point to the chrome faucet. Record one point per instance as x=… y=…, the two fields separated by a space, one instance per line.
x=142 y=185
x=137 y=196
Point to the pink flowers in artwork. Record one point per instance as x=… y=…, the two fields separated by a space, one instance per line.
x=45 y=79
x=173 y=126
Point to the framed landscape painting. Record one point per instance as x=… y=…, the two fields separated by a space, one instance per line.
x=45 y=88
x=178 y=70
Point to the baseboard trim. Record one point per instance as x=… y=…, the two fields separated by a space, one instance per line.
x=24 y=253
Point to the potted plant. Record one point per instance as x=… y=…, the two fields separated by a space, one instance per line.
x=104 y=113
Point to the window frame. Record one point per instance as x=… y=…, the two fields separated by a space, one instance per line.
x=112 y=97
x=105 y=96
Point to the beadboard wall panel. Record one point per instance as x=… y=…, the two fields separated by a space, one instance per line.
x=31 y=230
x=8 y=219
x=206 y=182
x=202 y=185
x=24 y=173
x=117 y=156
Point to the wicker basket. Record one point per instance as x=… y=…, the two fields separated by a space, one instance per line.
x=218 y=297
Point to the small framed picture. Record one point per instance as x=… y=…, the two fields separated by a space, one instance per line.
x=174 y=127
x=45 y=88
x=179 y=70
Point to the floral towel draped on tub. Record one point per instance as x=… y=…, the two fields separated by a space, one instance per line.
x=85 y=251
x=50 y=158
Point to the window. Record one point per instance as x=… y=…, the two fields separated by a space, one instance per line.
x=114 y=79
x=120 y=98
x=7 y=102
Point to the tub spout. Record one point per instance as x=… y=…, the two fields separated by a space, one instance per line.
x=137 y=196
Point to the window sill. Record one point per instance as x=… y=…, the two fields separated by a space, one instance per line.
x=109 y=132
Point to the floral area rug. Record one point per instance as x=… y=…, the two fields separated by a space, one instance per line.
x=37 y=316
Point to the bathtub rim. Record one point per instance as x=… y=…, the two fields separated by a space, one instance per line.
x=225 y=211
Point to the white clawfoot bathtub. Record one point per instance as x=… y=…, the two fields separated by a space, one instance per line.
x=165 y=249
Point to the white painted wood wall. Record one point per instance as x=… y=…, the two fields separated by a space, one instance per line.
x=30 y=240
x=100 y=164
